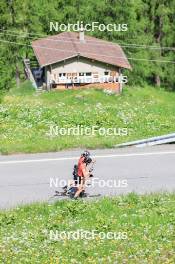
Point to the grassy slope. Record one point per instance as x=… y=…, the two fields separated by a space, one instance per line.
x=25 y=117
x=147 y=220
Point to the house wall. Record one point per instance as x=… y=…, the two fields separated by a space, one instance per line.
x=115 y=87
x=48 y=76
x=77 y=65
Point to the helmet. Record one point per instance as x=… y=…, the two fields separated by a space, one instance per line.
x=86 y=154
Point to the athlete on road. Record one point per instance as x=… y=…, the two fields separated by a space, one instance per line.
x=83 y=173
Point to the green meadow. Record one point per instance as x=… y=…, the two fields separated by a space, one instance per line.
x=26 y=117
x=145 y=228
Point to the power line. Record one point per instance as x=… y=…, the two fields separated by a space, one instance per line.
x=42 y=47
x=42 y=35
x=124 y=45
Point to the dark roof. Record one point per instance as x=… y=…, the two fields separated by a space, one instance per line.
x=65 y=45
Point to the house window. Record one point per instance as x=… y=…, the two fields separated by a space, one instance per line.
x=81 y=73
x=88 y=73
x=74 y=74
x=62 y=74
x=106 y=73
x=85 y=73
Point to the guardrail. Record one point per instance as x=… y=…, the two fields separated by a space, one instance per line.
x=164 y=139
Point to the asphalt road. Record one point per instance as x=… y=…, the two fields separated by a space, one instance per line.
x=29 y=178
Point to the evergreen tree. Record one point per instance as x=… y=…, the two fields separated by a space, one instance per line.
x=149 y=23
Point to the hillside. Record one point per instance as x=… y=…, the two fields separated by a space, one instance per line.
x=26 y=117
